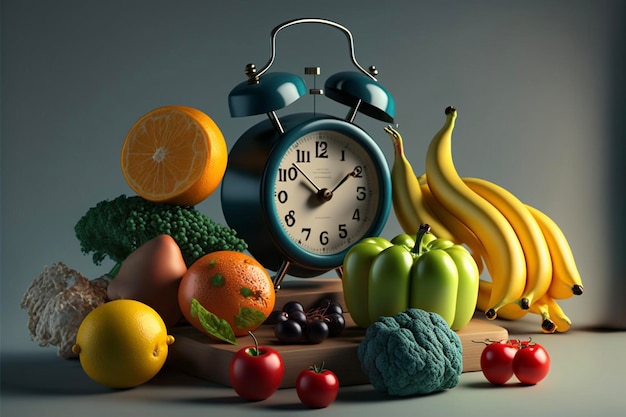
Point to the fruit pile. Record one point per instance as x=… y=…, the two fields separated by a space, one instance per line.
x=293 y=323
x=528 y=258
x=170 y=260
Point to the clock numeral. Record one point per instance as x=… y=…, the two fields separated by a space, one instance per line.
x=287 y=174
x=360 y=193
x=303 y=156
x=282 y=196
x=358 y=171
x=343 y=155
x=290 y=218
x=356 y=215
x=307 y=231
x=324 y=238
x=321 y=149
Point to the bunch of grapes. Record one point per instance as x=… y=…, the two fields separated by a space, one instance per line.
x=293 y=323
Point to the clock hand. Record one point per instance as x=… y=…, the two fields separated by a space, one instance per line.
x=356 y=171
x=317 y=189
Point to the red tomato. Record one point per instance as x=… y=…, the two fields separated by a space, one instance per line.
x=496 y=361
x=256 y=372
x=531 y=363
x=317 y=387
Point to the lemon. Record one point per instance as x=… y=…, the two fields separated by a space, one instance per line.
x=122 y=343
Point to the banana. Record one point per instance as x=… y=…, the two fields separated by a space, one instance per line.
x=530 y=235
x=407 y=197
x=461 y=232
x=511 y=311
x=560 y=319
x=541 y=308
x=504 y=255
x=552 y=316
x=566 y=280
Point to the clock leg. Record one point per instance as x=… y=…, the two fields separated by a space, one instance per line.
x=280 y=274
x=339 y=271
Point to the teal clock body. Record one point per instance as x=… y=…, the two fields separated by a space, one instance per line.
x=306 y=196
x=302 y=189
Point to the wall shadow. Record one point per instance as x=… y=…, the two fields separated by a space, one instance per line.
x=616 y=215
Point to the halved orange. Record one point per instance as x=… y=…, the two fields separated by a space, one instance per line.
x=175 y=155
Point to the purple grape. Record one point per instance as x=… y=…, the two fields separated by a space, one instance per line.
x=292 y=306
x=328 y=306
x=299 y=316
x=288 y=331
x=276 y=316
x=336 y=323
x=316 y=331
x=334 y=307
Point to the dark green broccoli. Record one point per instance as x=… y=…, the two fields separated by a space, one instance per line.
x=115 y=228
x=411 y=353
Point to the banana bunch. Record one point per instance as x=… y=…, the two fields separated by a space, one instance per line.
x=529 y=260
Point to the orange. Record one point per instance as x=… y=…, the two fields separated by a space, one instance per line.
x=232 y=286
x=175 y=155
x=122 y=343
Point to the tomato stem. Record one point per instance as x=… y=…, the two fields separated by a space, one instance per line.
x=316 y=369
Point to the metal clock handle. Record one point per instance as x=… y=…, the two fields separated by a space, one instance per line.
x=255 y=75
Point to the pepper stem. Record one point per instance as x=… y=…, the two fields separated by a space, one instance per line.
x=419 y=247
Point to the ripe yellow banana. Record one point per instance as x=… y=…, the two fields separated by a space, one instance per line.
x=504 y=256
x=530 y=235
x=566 y=280
x=560 y=319
x=552 y=316
x=511 y=311
x=461 y=232
x=541 y=308
x=407 y=197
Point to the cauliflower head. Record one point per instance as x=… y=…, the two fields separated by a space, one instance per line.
x=412 y=353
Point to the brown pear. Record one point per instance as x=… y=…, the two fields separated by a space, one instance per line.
x=151 y=274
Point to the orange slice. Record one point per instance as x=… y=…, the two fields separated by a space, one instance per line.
x=175 y=155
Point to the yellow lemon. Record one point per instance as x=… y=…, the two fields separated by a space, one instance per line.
x=122 y=343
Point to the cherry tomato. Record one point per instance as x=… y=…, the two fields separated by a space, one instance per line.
x=256 y=372
x=531 y=363
x=317 y=387
x=496 y=361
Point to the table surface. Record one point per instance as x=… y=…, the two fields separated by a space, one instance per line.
x=586 y=376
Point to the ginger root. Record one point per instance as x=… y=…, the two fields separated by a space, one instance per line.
x=57 y=302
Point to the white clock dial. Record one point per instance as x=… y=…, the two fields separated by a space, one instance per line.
x=326 y=192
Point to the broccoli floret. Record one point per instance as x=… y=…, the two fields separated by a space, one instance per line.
x=115 y=228
x=411 y=353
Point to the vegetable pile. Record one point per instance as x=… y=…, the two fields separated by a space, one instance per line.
x=60 y=298
x=115 y=228
x=412 y=353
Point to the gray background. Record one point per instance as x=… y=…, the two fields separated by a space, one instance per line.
x=538 y=85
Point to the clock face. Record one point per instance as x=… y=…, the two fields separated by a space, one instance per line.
x=327 y=192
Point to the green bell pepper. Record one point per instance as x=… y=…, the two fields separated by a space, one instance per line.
x=382 y=278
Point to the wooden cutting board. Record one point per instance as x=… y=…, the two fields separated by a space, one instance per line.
x=200 y=356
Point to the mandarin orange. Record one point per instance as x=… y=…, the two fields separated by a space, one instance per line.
x=231 y=285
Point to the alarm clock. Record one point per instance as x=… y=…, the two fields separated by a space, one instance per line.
x=303 y=188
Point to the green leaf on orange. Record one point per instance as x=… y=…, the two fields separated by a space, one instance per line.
x=249 y=317
x=213 y=325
